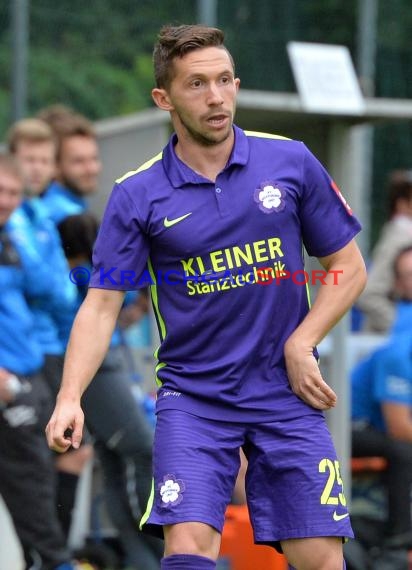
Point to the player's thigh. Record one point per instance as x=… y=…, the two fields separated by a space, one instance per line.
x=320 y=553
x=192 y=538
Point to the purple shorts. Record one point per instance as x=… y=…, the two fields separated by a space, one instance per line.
x=293 y=482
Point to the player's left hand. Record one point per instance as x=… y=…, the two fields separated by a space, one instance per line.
x=305 y=378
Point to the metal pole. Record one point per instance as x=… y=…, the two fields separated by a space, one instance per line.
x=342 y=154
x=20 y=39
x=207 y=12
x=366 y=57
x=367 y=31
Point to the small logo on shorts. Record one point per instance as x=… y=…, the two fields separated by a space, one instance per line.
x=171 y=491
x=338 y=518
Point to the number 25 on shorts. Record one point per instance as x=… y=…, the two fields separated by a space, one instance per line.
x=333 y=470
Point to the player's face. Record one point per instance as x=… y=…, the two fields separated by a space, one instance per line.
x=11 y=191
x=79 y=164
x=202 y=96
x=37 y=163
x=404 y=276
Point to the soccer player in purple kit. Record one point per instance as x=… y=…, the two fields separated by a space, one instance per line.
x=237 y=362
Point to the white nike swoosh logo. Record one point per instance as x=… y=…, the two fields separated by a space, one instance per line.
x=337 y=517
x=168 y=223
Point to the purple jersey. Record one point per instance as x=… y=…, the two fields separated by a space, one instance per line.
x=205 y=247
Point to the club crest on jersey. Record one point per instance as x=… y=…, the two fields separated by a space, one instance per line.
x=171 y=491
x=270 y=197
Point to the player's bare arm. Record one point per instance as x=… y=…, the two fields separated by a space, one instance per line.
x=89 y=341
x=345 y=281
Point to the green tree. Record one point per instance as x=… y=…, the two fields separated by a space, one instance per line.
x=94 y=56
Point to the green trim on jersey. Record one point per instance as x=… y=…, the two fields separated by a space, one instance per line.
x=265 y=135
x=307 y=282
x=159 y=156
x=159 y=366
x=144 y=166
x=149 y=507
x=308 y=294
x=155 y=300
x=162 y=324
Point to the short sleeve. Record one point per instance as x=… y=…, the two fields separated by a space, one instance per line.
x=328 y=223
x=121 y=250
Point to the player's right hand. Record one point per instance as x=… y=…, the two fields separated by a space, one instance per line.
x=65 y=427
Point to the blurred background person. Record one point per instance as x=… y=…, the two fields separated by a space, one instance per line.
x=78 y=164
x=77 y=178
x=27 y=481
x=118 y=423
x=382 y=408
x=33 y=144
x=377 y=301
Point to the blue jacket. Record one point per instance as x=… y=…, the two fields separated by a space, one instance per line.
x=386 y=375
x=61 y=202
x=66 y=319
x=31 y=228
x=20 y=276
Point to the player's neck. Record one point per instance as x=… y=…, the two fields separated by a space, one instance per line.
x=208 y=161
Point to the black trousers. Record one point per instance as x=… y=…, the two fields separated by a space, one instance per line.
x=369 y=442
x=123 y=443
x=27 y=475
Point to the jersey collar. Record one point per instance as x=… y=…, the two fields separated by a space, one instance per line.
x=180 y=174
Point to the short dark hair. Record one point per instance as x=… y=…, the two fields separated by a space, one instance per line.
x=399 y=188
x=66 y=123
x=78 y=234
x=177 y=41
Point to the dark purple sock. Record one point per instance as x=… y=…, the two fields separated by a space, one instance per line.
x=187 y=562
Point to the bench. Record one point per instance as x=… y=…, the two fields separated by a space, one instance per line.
x=368 y=464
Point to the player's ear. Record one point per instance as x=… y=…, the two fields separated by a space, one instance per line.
x=162 y=100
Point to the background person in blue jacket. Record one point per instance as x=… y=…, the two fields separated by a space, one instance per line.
x=32 y=142
x=123 y=435
x=77 y=168
x=27 y=482
x=382 y=408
